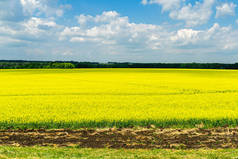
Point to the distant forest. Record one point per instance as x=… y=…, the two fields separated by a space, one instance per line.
x=18 y=64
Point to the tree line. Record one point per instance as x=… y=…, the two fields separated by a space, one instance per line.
x=17 y=64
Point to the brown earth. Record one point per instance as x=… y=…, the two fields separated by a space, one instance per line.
x=125 y=138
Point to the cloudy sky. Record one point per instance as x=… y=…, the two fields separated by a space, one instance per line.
x=120 y=30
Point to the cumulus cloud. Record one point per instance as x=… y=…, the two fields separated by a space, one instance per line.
x=104 y=18
x=82 y=19
x=216 y=37
x=186 y=36
x=35 y=26
x=11 y=10
x=193 y=15
x=45 y=7
x=225 y=9
x=144 y=2
x=19 y=27
x=20 y=23
x=112 y=30
x=166 y=4
x=198 y=14
x=20 y=10
x=35 y=30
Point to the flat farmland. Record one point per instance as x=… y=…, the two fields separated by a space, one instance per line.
x=99 y=98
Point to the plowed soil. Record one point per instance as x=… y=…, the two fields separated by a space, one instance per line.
x=125 y=138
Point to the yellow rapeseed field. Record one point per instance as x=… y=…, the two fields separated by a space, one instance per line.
x=117 y=96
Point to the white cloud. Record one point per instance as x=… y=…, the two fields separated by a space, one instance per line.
x=20 y=10
x=65 y=6
x=43 y=7
x=32 y=31
x=110 y=28
x=59 y=12
x=195 y=15
x=77 y=39
x=225 y=9
x=214 y=39
x=35 y=26
x=186 y=36
x=144 y=2
x=120 y=32
x=105 y=17
x=82 y=19
x=29 y=6
x=21 y=25
x=11 y=11
x=166 y=4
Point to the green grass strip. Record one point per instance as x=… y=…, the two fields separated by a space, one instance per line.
x=173 y=123
x=67 y=153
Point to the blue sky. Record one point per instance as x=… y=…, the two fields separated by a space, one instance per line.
x=120 y=30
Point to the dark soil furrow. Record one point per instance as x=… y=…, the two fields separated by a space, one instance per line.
x=125 y=138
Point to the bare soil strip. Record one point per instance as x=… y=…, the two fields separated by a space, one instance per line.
x=125 y=138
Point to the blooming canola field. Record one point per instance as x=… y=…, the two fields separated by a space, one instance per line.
x=75 y=98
